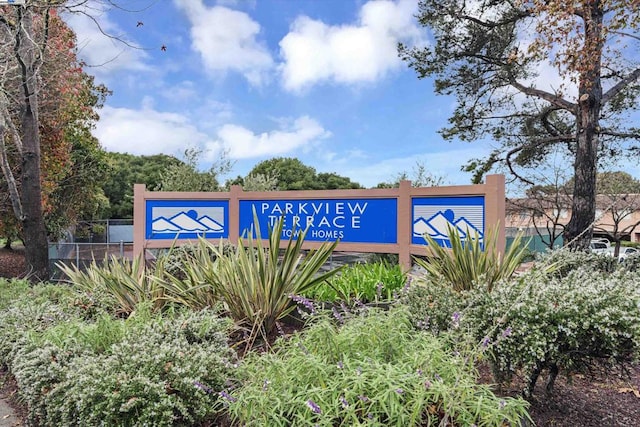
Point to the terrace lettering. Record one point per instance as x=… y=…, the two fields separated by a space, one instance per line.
x=322 y=219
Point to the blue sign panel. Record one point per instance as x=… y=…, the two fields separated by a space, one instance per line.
x=435 y=215
x=186 y=219
x=349 y=220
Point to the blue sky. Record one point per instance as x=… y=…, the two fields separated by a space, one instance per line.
x=319 y=80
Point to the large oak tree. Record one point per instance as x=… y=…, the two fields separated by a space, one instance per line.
x=537 y=77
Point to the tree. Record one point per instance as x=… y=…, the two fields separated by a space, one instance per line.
x=50 y=162
x=23 y=45
x=488 y=54
x=123 y=171
x=292 y=174
x=619 y=200
x=185 y=176
x=420 y=177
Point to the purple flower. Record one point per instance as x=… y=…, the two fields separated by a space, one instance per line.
x=419 y=372
x=507 y=332
x=340 y=365
x=304 y=301
x=427 y=384
x=226 y=396
x=405 y=288
x=344 y=402
x=399 y=390
x=486 y=341
x=456 y=319
x=337 y=315
x=502 y=404
x=314 y=407
x=265 y=385
x=279 y=329
x=202 y=387
x=437 y=377
x=363 y=398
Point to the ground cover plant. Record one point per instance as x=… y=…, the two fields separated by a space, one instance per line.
x=364 y=283
x=148 y=369
x=375 y=369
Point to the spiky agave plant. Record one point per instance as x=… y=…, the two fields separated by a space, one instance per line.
x=472 y=261
x=257 y=283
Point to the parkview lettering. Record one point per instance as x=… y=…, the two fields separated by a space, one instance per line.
x=321 y=219
x=357 y=220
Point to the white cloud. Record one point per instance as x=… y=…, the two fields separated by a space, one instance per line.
x=147 y=131
x=314 y=52
x=226 y=40
x=102 y=44
x=243 y=143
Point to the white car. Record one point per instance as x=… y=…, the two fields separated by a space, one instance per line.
x=627 y=251
x=600 y=247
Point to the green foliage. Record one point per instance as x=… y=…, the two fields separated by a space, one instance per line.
x=365 y=283
x=185 y=176
x=256 y=283
x=471 y=262
x=431 y=305
x=543 y=321
x=375 y=370
x=292 y=174
x=127 y=282
x=126 y=170
x=565 y=261
x=190 y=272
x=156 y=371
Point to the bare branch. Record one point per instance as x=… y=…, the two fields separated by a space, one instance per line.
x=618 y=87
x=547 y=96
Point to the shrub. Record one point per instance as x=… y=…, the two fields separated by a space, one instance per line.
x=431 y=305
x=163 y=372
x=366 y=283
x=545 y=322
x=564 y=261
x=257 y=284
x=472 y=262
x=374 y=370
x=127 y=282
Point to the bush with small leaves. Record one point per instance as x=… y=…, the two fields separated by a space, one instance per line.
x=541 y=321
x=162 y=372
x=431 y=305
x=563 y=261
x=374 y=370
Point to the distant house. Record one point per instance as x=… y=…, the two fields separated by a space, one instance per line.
x=617 y=216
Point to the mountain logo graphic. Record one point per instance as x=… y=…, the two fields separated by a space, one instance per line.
x=438 y=225
x=186 y=222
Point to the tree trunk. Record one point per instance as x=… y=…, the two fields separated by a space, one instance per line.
x=580 y=227
x=34 y=231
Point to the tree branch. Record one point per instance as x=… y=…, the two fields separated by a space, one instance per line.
x=618 y=87
x=547 y=96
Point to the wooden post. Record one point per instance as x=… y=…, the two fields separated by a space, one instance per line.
x=404 y=225
x=139 y=220
x=234 y=213
x=495 y=208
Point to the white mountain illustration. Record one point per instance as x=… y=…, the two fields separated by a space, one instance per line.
x=465 y=226
x=422 y=227
x=186 y=223
x=161 y=225
x=211 y=223
x=438 y=226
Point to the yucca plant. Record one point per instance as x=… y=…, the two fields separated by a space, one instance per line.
x=126 y=281
x=257 y=283
x=472 y=261
x=190 y=276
